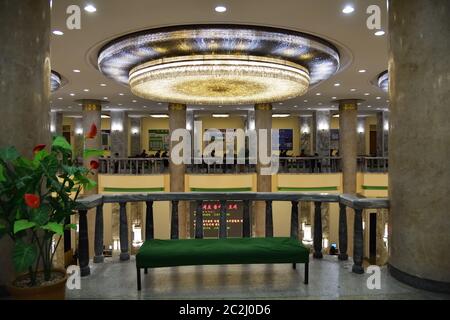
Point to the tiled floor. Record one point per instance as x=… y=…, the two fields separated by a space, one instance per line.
x=329 y=279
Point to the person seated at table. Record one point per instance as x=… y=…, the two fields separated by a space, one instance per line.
x=158 y=154
x=143 y=154
x=303 y=154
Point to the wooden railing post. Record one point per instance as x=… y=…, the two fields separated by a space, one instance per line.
x=83 y=244
x=246 y=223
x=223 y=219
x=358 y=243
x=149 y=227
x=294 y=219
x=174 y=220
x=269 y=219
x=124 y=254
x=318 y=230
x=199 y=220
x=98 y=242
x=342 y=232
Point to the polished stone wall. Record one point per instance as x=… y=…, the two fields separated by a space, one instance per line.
x=119 y=133
x=135 y=136
x=306 y=128
x=321 y=133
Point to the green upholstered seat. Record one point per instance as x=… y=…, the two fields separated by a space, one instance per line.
x=168 y=253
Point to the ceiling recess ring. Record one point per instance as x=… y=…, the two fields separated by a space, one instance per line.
x=218 y=64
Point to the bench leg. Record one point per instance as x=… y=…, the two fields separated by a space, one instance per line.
x=138 y=278
x=306 y=273
x=294 y=266
x=145 y=270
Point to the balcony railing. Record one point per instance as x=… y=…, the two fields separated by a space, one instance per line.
x=141 y=166
x=373 y=164
x=97 y=201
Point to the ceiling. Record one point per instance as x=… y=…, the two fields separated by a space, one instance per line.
x=358 y=46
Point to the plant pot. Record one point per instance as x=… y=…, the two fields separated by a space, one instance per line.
x=53 y=291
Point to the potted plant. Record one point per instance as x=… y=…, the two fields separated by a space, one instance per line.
x=37 y=197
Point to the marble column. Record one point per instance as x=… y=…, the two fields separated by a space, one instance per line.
x=419 y=143
x=135 y=138
x=190 y=118
x=306 y=127
x=348 y=152
x=263 y=120
x=91 y=115
x=56 y=123
x=119 y=133
x=24 y=86
x=382 y=133
x=321 y=133
x=361 y=136
x=177 y=120
x=78 y=145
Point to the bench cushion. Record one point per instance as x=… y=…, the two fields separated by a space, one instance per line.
x=183 y=252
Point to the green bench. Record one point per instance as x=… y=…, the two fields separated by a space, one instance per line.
x=187 y=252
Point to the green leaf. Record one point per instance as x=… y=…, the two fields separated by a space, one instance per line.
x=61 y=142
x=40 y=155
x=24 y=256
x=71 y=226
x=55 y=227
x=90 y=184
x=9 y=154
x=23 y=224
x=88 y=153
x=41 y=215
x=2 y=173
x=74 y=170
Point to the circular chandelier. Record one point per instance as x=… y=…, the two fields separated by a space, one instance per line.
x=55 y=81
x=383 y=81
x=218 y=64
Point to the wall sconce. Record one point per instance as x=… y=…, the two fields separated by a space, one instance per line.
x=305 y=130
x=386 y=126
x=323 y=126
x=117 y=126
x=134 y=130
x=79 y=131
x=52 y=128
x=325 y=243
x=361 y=130
x=307 y=233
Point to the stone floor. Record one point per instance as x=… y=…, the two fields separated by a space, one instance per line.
x=328 y=279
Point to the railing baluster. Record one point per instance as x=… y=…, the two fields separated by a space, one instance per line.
x=83 y=244
x=174 y=220
x=124 y=254
x=98 y=242
x=223 y=220
x=199 y=220
x=342 y=232
x=246 y=223
x=318 y=230
x=358 y=243
x=149 y=226
x=294 y=219
x=269 y=219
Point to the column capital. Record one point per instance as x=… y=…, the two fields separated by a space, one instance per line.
x=263 y=106
x=177 y=106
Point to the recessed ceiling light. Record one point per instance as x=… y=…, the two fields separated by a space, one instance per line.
x=378 y=98
x=320 y=103
x=387 y=100
x=337 y=84
x=76 y=71
x=70 y=107
x=60 y=98
x=280 y=115
x=134 y=101
x=72 y=94
x=159 y=116
x=309 y=108
x=86 y=90
x=359 y=103
x=353 y=89
x=222 y=115
x=90 y=8
x=80 y=104
x=102 y=85
x=334 y=98
x=367 y=94
x=380 y=33
x=119 y=104
x=295 y=106
x=220 y=106
x=362 y=70
x=144 y=106
x=220 y=9
x=369 y=106
x=318 y=94
x=305 y=100
x=120 y=94
x=348 y=9
x=105 y=98
x=159 y=103
x=280 y=103
x=58 y=32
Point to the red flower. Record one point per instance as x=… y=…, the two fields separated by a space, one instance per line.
x=94 y=164
x=38 y=148
x=92 y=132
x=32 y=200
